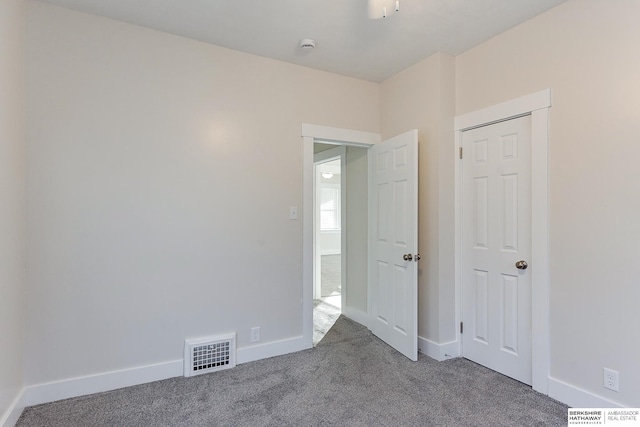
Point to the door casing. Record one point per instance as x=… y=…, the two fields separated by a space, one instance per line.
x=537 y=105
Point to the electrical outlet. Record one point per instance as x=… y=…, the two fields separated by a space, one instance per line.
x=255 y=334
x=611 y=379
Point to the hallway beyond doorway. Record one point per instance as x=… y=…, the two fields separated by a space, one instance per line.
x=327 y=308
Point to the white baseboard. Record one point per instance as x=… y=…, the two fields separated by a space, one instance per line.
x=356 y=315
x=10 y=417
x=577 y=397
x=330 y=252
x=440 y=352
x=80 y=386
x=271 y=349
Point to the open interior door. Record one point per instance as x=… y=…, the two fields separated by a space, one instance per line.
x=393 y=237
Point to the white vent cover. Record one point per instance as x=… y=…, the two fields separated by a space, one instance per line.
x=203 y=355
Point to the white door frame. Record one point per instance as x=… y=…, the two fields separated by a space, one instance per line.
x=311 y=134
x=537 y=105
x=339 y=152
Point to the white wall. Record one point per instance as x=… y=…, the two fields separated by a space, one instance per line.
x=329 y=242
x=357 y=228
x=12 y=201
x=152 y=214
x=586 y=52
x=422 y=97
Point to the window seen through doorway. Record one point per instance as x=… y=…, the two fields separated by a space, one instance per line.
x=329 y=208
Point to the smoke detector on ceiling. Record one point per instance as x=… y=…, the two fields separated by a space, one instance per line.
x=307 y=44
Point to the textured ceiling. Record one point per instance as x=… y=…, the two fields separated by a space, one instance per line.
x=347 y=42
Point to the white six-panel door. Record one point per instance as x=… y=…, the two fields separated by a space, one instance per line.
x=496 y=235
x=393 y=291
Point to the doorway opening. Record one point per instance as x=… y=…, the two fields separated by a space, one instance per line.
x=354 y=218
x=329 y=226
x=378 y=286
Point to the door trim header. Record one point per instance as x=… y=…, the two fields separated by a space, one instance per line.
x=504 y=111
x=340 y=136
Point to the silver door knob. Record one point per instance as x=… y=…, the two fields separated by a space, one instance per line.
x=417 y=257
x=407 y=257
x=522 y=265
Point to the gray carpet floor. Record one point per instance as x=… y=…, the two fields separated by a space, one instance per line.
x=330 y=274
x=350 y=379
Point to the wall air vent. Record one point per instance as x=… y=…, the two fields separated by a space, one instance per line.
x=210 y=354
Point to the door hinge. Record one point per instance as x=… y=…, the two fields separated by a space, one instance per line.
x=460 y=151
x=461 y=327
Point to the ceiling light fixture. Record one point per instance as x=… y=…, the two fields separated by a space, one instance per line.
x=382 y=8
x=327 y=175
